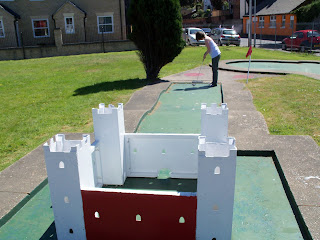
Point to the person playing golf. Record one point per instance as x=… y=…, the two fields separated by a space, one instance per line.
x=214 y=52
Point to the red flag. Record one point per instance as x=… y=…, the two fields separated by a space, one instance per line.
x=249 y=52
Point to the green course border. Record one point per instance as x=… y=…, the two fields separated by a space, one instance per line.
x=294 y=206
x=23 y=202
x=222 y=100
x=151 y=109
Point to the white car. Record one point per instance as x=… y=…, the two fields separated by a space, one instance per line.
x=189 y=36
x=225 y=36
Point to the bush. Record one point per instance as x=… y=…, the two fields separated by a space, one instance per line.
x=156 y=31
x=207 y=13
x=309 y=12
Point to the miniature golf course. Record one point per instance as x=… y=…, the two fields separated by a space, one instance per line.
x=261 y=207
x=306 y=67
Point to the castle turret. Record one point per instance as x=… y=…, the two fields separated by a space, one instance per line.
x=109 y=136
x=216 y=175
x=68 y=166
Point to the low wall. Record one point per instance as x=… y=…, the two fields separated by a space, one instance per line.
x=65 y=50
x=148 y=153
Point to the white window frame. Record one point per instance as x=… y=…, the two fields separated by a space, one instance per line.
x=105 y=24
x=273 y=21
x=40 y=19
x=261 y=22
x=65 y=25
x=283 y=21
x=291 y=21
x=2 y=27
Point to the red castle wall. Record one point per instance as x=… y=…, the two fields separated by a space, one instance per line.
x=160 y=216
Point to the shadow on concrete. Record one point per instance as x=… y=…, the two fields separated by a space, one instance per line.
x=193 y=88
x=110 y=86
x=50 y=234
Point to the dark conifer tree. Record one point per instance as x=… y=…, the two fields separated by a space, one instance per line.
x=156 y=31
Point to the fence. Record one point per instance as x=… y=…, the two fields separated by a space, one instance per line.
x=271 y=35
x=20 y=44
x=11 y=39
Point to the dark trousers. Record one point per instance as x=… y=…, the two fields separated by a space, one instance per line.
x=215 y=63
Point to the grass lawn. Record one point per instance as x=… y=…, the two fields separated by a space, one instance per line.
x=42 y=97
x=290 y=104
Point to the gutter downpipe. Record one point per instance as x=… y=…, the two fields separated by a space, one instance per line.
x=121 y=19
x=84 y=27
x=18 y=37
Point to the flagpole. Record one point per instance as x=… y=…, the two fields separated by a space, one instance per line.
x=248 y=68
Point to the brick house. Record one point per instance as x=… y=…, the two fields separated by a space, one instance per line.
x=274 y=17
x=79 y=21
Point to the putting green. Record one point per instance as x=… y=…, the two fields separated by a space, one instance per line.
x=280 y=66
x=179 y=109
x=261 y=208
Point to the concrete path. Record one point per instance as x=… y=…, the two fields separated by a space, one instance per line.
x=299 y=156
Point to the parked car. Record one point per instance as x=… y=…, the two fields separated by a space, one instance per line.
x=207 y=31
x=225 y=36
x=302 y=40
x=189 y=35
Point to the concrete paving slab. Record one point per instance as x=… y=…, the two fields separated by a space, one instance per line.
x=8 y=200
x=240 y=122
x=299 y=157
x=312 y=222
x=147 y=97
x=19 y=179
x=132 y=119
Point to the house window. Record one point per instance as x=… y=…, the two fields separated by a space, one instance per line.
x=69 y=25
x=105 y=24
x=2 y=35
x=291 y=21
x=254 y=22
x=273 y=21
x=283 y=23
x=261 y=22
x=40 y=28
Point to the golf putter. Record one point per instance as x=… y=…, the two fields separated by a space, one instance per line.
x=197 y=81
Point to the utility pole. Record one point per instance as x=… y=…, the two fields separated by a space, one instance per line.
x=250 y=24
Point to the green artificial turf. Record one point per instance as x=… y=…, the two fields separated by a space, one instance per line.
x=42 y=97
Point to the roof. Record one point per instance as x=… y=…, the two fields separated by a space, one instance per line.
x=272 y=7
x=69 y=2
x=9 y=11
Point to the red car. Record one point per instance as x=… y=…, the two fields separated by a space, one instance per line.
x=303 y=40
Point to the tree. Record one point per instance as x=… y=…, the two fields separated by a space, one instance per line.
x=185 y=3
x=217 y=4
x=308 y=13
x=157 y=33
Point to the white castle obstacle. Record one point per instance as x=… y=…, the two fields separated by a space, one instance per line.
x=77 y=170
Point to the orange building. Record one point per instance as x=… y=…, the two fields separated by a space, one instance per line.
x=280 y=24
x=274 y=17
